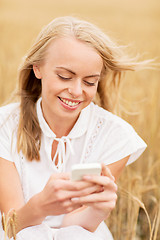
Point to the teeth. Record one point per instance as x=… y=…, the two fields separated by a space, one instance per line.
x=69 y=103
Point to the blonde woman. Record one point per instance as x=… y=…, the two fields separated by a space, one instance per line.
x=71 y=67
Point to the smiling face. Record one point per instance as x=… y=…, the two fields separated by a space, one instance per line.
x=69 y=76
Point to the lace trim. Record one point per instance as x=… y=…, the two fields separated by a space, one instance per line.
x=24 y=178
x=94 y=135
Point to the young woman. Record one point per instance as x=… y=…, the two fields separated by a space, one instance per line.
x=56 y=125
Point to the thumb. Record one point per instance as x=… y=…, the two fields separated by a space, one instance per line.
x=107 y=172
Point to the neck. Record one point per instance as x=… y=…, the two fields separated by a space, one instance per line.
x=59 y=125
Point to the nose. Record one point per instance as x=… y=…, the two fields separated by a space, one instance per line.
x=75 y=88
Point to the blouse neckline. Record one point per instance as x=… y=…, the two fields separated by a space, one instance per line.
x=79 y=128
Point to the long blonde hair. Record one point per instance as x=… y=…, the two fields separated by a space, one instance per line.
x=115 y=63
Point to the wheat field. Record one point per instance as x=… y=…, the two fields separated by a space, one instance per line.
x=134 y=23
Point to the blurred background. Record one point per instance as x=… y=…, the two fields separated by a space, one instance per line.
x=134 y=23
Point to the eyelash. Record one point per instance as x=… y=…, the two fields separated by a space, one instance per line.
x=63 y=77
x=87 y=83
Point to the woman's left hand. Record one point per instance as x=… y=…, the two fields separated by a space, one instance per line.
x=103 y=202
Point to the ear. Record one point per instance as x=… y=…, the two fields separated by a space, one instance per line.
x=36 y=70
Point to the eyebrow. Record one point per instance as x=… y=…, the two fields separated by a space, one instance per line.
x=94 y=75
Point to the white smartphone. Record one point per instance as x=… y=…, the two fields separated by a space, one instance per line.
x=79 y=170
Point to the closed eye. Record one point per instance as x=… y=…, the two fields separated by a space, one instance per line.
x=89 y=83
x=64 y=78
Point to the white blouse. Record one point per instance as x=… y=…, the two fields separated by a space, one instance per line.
x=97 y=136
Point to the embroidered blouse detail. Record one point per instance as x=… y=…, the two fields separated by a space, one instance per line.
x=94 y=135
x=25 y=187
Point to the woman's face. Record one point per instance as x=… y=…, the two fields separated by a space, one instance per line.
x=69 y=76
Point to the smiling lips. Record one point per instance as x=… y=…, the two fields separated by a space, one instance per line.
x=69 y=103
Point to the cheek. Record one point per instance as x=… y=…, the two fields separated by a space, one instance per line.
x=92 y=92
x=51 y=87
x=45 y=85
x=47 y=89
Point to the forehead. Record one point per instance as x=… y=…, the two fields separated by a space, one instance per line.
x=73 y=52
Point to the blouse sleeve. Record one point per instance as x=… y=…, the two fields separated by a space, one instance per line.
x=120 y=142
x=38 y=232
x=5 y=139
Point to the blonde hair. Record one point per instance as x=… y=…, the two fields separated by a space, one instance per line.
x=115 y=63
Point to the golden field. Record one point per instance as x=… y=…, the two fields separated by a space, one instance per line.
x=134 y=23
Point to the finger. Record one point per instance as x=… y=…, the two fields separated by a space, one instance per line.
x=106 y=172
x=72 y=186
x=68 y=206
x=65 y=176
x=106 y=196
x=105 y=206
x=76 y=194
x=101 y=180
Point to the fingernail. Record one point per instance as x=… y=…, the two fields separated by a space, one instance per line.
x=75 y=199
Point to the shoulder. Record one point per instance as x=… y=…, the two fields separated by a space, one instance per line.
x=9 y=114
x=109 y=120
x=9 y=118
x=115 y=138
x=9 y=108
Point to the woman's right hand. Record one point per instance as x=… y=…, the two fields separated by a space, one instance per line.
x=55 y=198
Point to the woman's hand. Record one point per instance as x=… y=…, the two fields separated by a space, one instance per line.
x=55 y=199
x=104 y=201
